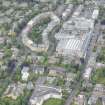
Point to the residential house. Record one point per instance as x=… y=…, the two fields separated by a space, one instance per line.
x=67 y=12
x=80 y=100
x=53 y=60
x=2 y=40
x=56 y=71
x=38 y=69
x=14 y=90
x=103 y=101
x=15 y=52
x=70 y=77
x=30 y=85
x=25 y=73
x=98 y=92
x=1 y=54
x=100 y=65
x=87 y=73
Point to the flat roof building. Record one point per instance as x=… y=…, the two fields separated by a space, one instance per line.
x=87 y=73
x=74 y=37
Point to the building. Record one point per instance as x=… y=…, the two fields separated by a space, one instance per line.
x=43 y=93
x=2 y=40
x=75 y=27
x=15 y=52
x=74 y=37
x=56 y=71
x=92 y=100
x=67 y=12
x=99 y=88
x=14 y=90
x=80 y=100
x=46 y=1
x=71 y=1
x=38 y=69
x=95 y=14
x=100 y=65
x=98 y=92
x=70 y=77
x=30 y=85
x=71 y=47
x=25 y=73
x=2 y=54
x=78 y=11
x=87 y=73
x=53 y=60
x=103 y=101
x=100 y=2
x=43 y=47
x=41 y=80
x=92 y=60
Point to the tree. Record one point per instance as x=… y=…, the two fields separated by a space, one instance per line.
x=75 y=2
x=8 y=52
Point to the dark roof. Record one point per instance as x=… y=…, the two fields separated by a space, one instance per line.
x=103 y=22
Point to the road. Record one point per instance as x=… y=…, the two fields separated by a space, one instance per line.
x=72 y=95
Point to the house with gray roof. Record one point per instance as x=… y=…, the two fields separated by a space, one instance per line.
x=98 y=92
x=38 y=69
x=57 y=71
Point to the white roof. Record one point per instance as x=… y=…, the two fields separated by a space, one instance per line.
x=95 y=14
x=71 y=44
x=68 y=10
x=74 y=44
x=78 y=11
x=30 y=23
x=87 y=72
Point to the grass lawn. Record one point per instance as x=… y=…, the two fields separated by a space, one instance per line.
x=99 y=76
x=99 y=102
x=36 y=32
x=53 y=102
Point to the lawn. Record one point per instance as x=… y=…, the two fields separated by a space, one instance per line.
x=36 y=33
x=99 y=76
x=99 y=102
x=53 y=102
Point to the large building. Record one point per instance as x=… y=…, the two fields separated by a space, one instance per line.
x=67 y=12
x=43 y=47
x=74 y=37
x=43 y=93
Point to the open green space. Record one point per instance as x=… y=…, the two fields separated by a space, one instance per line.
x=53 y=102
x=36 y=33
x=99 y=102
x=99 y=76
